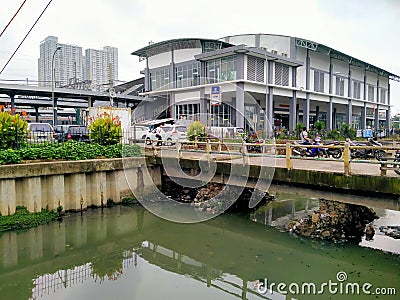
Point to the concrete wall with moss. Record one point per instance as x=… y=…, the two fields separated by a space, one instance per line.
x=74 y=185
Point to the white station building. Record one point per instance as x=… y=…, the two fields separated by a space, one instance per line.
x=245 y=80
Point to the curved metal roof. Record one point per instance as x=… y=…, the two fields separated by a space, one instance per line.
x=183 y=43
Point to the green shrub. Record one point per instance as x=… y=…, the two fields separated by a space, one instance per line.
x=347 y=131
x=319 y=126
x=70 y=150
x=299 y=129
x=333 y=134
x=13 y=130
x=195 y=131
x=106 y=130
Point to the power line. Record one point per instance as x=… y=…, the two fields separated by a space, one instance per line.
x=12 y=18
x=26 y=36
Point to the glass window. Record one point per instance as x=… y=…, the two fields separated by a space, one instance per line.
x=221 y=115
x=187 y=111
x=319 y=81
x=221 y=69
x=383 y=96
x=160 y=79
x=339 y=86
x=371 y=95
x=356 y=90
x=187 y=75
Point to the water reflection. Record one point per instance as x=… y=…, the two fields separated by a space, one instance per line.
x=127 y=253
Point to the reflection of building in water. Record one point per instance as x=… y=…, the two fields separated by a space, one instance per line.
x=50 y=283
x=214 y=278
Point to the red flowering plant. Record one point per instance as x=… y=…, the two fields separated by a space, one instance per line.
x=13 y=129
x=105 y=129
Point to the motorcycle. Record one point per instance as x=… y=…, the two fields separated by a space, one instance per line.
x=397 y=160
x=252 y=139
x=333 y=152
x=377 y=153
x=309 y=152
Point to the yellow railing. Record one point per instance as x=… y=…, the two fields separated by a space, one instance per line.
x=281 y=151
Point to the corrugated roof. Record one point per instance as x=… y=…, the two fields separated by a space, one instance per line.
x=183 y=43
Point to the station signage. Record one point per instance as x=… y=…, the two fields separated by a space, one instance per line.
x=215 y=95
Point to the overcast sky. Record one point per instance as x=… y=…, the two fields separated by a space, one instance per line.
x=366 y=29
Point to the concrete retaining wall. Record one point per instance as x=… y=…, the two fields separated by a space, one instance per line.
x=71 y=184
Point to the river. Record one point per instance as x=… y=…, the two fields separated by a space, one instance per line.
x=128 y=253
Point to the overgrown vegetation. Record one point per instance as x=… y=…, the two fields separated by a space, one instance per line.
x=128 y=201
x=106 y=130
x=23 y=219
x=13 y=128
x=70 y=150
x=196 y=130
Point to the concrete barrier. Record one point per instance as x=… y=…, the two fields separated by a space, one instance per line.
x=74 y=185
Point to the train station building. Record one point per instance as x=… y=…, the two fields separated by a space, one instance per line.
x=248 y=80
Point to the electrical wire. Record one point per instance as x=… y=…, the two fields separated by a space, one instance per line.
x=26 y=36
x=12 y=18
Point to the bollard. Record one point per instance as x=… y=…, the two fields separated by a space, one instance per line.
x=289 y=163
x=346 y=158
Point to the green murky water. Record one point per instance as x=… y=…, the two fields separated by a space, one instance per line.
x=128 y=253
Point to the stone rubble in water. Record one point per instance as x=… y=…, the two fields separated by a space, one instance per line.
x=336 y=221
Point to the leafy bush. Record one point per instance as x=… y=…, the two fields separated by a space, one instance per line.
x=106 y=130
x=9 y=156
x=333 y=134
x=70 y=150
x=348 y=132
x=13 y=130
x=195 y=131
x=299 y=129
x=319 y=126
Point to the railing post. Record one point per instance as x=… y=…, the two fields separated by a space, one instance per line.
x=244 y=153
x=178 y=149
x=346 y=158
x=208 y=149
x=289 y=163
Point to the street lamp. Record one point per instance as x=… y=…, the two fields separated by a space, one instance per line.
x=52 y=88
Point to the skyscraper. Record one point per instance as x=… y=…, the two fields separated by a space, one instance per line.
x=101 y=66
x=97 y=69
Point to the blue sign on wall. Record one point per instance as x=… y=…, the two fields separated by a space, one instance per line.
x=215 y=95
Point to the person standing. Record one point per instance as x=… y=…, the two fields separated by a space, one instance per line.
x=158 y=135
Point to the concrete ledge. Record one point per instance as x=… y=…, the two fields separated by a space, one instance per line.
x=74 y=185
x=68 y=167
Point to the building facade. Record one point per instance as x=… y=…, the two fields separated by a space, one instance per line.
x=101 y=66
x=95 y=71
x=263 y=81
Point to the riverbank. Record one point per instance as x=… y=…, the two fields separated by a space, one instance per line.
x=23 y=219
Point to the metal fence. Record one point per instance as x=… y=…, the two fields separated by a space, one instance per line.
x=102 y=137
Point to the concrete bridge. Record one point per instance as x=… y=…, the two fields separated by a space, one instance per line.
x=260 y=170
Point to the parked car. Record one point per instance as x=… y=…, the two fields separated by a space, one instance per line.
x=139 y=132
x=59 y=130
x=40 y=132
x=78 y=133
x=169 y=135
